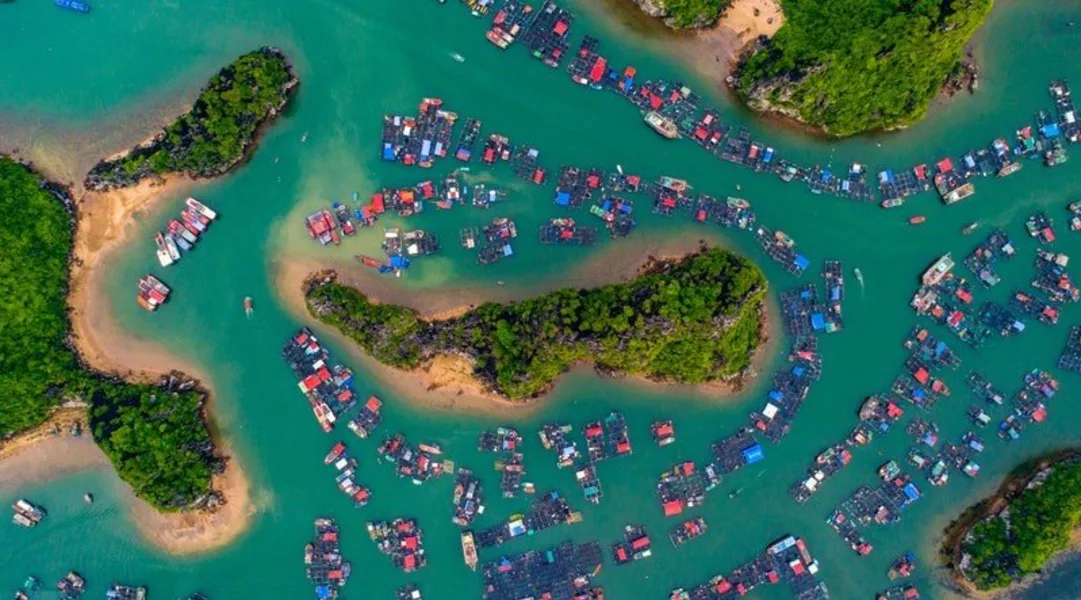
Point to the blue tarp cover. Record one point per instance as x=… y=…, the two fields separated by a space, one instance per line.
x=563 y=198
x=802 y=262
x=753 y=454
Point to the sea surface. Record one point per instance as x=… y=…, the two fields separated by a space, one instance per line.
x=73 y=77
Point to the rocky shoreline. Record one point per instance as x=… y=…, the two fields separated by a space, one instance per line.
x=116 y=172
x=355 y=315
x=1014 y=484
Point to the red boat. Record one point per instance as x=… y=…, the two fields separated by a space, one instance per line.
x=916 y=220
x=335 y=453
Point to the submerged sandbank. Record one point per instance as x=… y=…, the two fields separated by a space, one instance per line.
x=447 y=382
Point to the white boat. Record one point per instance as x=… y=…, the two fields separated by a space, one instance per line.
x=164 y=258
x=170 y=246
x=457 y=57
x=201 y=208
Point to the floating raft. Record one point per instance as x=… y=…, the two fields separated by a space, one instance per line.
x=564 y=572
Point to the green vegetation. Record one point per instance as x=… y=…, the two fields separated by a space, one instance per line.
x=156 y=438
x=691 y=321
x=850 y=66
x=215 y=134
x=691 y=13
x=1004 y=549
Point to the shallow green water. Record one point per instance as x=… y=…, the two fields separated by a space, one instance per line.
x=78 y=77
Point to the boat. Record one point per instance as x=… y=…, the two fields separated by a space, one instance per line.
x=673 y=184
x=335 y=453
x=457 y=57
x=663 y=126
x=737 y=203
x=938 y=271
x=970 y=228
x=469 y=550
x=171 y=247
x=88 y=498
x=249 y=306
x=201 y=208
x=164 y=257
x=74 y=5
x=916 y=220
x=859 y=275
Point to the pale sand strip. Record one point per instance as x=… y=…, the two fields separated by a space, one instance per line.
x=447 y=382
x=105 y=224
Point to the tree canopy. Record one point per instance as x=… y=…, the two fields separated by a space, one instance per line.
x=215 y=134
x=690 y=321
x=156 y=438
x=850 y=66
x=1008 y=546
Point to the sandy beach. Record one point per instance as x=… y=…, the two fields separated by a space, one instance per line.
x=105 y=223
x=447 y=382
x=43 y=453
x=710 y=51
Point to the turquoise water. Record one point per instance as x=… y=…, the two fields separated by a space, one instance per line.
x=80 y=78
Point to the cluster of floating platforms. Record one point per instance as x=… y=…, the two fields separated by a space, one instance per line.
x=183 y=233
x=635 y=545
x=548 y=510
x=326 y=569
x=497 y=237
x=419 y=463
x=566 y=231
x=26 y=513
x=564 y=572
x=780 y=247
x=899 y=592
x=468 y=498
x=1070 y=359
x=981 y=261
x=71 y=586
x=877 y=414
x=505 y=441
x=554 y=437
x=368 y=418
x=402 y=540
x=346 y=467
x=418 y=140
x=789 y=389
x=687 y=531
x=787 y=560
x=328 y=388
x=1028 y=404
x=805 y=313
x=409 y=591
x=946 y=298
x=151 y=293
x=125 y=592
x=673 y=110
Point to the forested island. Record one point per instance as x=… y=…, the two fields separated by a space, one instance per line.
x=1014 y=533
x=694 y=320
x=849 y=66
x=216 y=134
x=684 y=14
x=155 y=435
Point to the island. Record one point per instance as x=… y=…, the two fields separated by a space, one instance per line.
x=694 y=320
x=1015 y=532
x=156 y=435
x=851 y=66
x=684 y=14
x=217 y=133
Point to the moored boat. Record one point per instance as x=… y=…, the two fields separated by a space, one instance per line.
x=201 y=208
x=662 y=125
x=164 y=257
x=249 y=306
x=938 y=271
x=469 y=550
